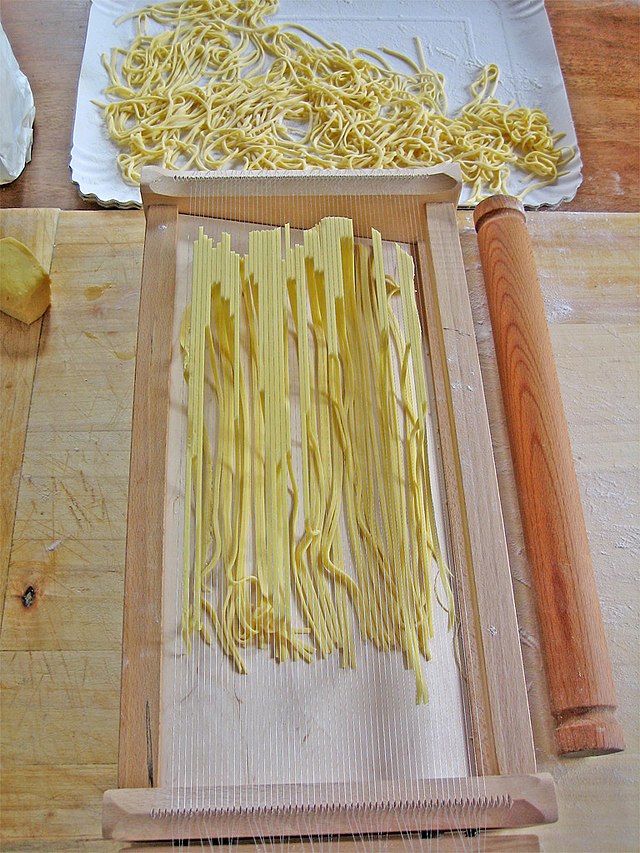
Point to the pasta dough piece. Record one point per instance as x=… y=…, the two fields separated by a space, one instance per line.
x=25 y=287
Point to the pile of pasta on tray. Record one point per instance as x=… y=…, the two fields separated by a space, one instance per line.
x=213 y=84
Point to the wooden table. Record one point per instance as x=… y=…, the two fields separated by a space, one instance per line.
x=598 y=43
x=65 y=414
x=70 y=409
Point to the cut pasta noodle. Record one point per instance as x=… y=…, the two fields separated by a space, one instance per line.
x=221 y=87
x=365 y=555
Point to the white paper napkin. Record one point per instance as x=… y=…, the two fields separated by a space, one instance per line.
x=17 y=113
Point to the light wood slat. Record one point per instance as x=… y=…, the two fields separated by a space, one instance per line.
x=18 y=351
x=366 y=196
x=475 y=697
x=497 y=630
x=70 y=517
x=61 y=658
x=142 y=629
x=485 y=803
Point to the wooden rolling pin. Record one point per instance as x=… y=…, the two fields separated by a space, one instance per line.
x=581 y=689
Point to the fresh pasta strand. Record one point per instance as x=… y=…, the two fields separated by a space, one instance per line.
x=252 y=575
x=221 y=87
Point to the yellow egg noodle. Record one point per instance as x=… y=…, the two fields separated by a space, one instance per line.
x=254 y=574
x=221 y=87
x=311 y=586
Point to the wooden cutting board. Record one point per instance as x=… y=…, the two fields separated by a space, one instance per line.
x=19 y=348
x=67 y=415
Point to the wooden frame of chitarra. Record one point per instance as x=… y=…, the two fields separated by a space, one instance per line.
x=509 y=793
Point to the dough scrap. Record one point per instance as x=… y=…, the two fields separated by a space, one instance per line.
x=25 y=286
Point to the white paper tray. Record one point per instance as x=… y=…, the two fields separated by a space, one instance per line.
x=458 y=37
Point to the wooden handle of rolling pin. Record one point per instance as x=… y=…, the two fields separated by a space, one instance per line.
x=581 y=689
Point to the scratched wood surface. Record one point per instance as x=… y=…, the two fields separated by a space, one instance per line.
x=60 y=657
x=19 y=344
